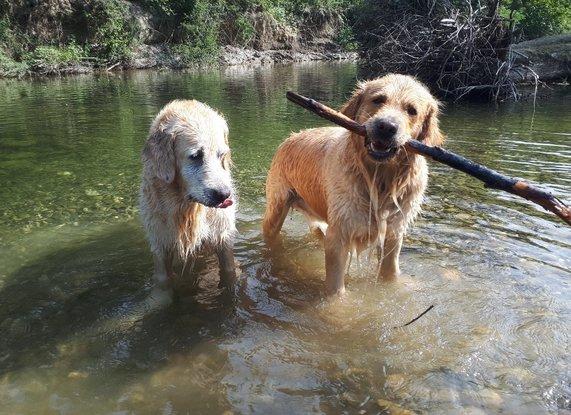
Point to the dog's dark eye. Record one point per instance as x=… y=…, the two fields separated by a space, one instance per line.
x=411 y=110
x=196 y=156
x=381 y=99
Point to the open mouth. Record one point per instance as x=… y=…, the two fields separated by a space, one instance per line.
x=380 y=152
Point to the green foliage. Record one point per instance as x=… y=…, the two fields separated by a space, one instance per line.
x=190 y=54
x=161 y=7
x=12 y=39
x=107 y=30
x=56 y=55
x=536 y=18
x=5 y=32
x=199 y=31
x=245 y=30
x=298 y=7
x=113 y=32
x=346 y=38
x=293 y=11
x=10 y=68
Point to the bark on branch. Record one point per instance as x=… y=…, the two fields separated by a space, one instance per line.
x=491 y=178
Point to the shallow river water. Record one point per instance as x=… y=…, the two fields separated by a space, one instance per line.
x=76 y=337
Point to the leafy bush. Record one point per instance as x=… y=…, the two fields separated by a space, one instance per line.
x=108 y=31
x=536 y=18
x=346 y=38
x=5 y=31
x=246 y=31
x=199 y=30
x=11 y=68
x=12 y=39
x=56 y=56
x=113 y=32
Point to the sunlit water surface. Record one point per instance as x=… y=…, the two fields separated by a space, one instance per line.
x=76 y=338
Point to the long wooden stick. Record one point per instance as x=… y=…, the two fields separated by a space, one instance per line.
x=490 y=177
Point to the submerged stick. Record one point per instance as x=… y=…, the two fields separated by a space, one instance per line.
x=416 y=318
x=491 y=178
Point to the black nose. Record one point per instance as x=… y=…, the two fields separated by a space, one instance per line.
x=219 y=195
x=386 y=128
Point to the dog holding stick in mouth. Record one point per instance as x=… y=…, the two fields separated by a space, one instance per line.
x=358 y=192
x=187 y=198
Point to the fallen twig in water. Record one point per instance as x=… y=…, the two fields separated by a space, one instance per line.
x=416 y=318
x=491 y=178
x=113 y=66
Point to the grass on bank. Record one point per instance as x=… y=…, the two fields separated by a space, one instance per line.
x=9 y=68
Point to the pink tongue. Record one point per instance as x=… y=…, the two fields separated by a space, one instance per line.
x=225 y=204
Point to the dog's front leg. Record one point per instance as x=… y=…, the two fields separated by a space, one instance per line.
x=225 y=253
x=162 y=269
x=390 y=268
x=336 y=254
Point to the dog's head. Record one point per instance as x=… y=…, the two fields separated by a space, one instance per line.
x=394 y=109
x=188 y=144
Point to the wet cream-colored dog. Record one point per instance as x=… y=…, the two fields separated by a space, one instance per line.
x=187 y=196
x=358 y=192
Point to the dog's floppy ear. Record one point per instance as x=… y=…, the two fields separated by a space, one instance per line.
x=430 y=133
x=159 y=151
x=351 y=107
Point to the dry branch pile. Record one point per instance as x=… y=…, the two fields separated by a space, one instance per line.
x=455 y=48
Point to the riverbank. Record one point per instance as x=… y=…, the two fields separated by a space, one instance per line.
x=63 y=37
x=74 y=36
x=163 y=57
x=160 y=57
x=546 y=59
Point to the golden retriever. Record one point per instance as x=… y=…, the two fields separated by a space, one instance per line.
x=187 y=198
x=358 y=192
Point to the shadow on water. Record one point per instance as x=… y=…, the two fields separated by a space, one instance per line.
x=81 y=314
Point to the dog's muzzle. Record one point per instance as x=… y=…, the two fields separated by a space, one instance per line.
x=381 y=139
x=215 y=198
x=220 y=198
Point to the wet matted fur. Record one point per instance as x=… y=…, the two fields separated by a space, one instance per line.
x=356 y=192
x=187 y=196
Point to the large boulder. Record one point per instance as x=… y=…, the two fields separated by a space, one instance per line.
x=549 y=57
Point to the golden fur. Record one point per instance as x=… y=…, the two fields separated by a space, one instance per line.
x=357 y=201
x=177 y=209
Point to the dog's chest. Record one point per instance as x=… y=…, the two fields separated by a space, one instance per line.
x=217 y=225
x=367 y=213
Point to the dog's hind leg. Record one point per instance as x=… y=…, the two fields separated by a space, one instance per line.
x=279 y=200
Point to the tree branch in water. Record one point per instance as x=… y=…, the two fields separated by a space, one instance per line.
x=416 y=318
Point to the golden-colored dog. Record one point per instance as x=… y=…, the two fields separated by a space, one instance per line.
x=358 y=192
x=187 y=197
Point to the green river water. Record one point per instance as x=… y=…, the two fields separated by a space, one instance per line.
x=75 y=269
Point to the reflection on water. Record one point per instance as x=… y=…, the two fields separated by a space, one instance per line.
x=78 y=335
